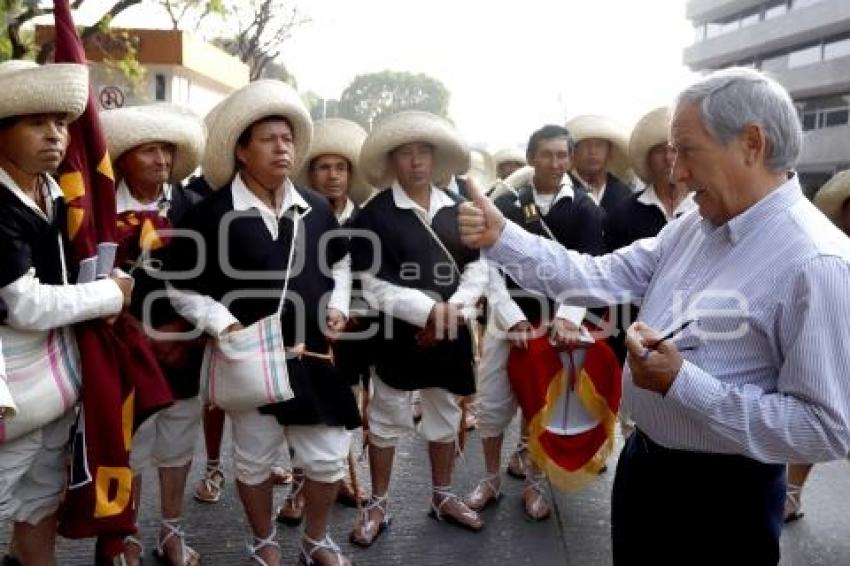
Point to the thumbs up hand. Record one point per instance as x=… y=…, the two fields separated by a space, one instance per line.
x=479 y=220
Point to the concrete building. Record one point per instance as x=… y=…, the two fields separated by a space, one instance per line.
x=805 y=44
x=178 y=68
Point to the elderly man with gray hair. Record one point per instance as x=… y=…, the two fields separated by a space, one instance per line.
x=738 y=361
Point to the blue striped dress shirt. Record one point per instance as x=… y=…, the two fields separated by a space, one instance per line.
x=766 y=369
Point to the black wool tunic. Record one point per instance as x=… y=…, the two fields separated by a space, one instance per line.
x=576 y=223
x=28 y=240
x=410 y=257
x=322 y=394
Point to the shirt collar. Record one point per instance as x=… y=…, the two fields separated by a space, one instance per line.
x=650 y=198
x=565 y=189
x=764 y=210
x=53 y=190
x=124 y=199
x=439 y=200
x=244 y=199
x=346 y=213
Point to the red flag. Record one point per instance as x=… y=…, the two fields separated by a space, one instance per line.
x=122 y=382
x=538 y=376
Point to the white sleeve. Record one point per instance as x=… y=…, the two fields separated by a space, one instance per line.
x=34 y=306
x=341 y=295
x=505 y=310
x=410 y=305
x=474 y=282
x=201 y=310
x=571 y=313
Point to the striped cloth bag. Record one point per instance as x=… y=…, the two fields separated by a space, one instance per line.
x=42 y=375
x=246 y=368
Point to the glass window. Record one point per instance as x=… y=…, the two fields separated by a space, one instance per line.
x=836 y=117
x=804 y=56
x=776 y=63
x=750 y=19
x=159 y=87
x=809 y=121
x=836 y=49
x=798 y=4
x=775 y=9
x=713 y=30
x=699 y=33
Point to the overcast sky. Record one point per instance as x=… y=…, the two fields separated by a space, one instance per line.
x=510 y=66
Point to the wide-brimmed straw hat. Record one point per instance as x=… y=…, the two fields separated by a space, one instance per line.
x=29 y=88
x=830 y=198
x=232 y=116
x=336 y=136
x=130 y=127
x=651 y=130
x=451 y=153
x=593 y=126
x=509 y=154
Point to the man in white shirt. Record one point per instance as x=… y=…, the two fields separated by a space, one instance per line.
x=745 y=368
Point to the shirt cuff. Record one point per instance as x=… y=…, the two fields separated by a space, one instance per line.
x=695 y=390
x=573 y=314
x=508 y=246
x=107 y=297
x=420 y=306
x=340 y=301
x=508 y=314
x=218 y=319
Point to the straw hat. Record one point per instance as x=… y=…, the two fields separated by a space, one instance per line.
x=509 y=154
x=130 y=127
x=451 y=154
x=482 y=168
x=232 y=116
x=591 y=126
x=651 y=130
x=830 y=198
x=335 y=136
x=29 y=88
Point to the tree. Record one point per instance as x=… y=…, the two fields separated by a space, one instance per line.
x=262 y=26
x=16 y=43
x=373 y=96
x=179 y=11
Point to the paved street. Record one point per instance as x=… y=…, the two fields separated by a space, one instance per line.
x=578 y=535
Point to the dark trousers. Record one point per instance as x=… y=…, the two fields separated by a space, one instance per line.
x=681 y=507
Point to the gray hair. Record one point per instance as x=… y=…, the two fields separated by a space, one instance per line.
x=732 y=98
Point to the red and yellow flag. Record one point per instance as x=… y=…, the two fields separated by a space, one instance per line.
x=539 y=375
x=121 y=380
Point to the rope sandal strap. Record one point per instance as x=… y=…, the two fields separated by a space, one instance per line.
x=446 y=492
x=297 y=486
x=261 y=543
x=173 y=526
x=490 y=481
x=325 y=544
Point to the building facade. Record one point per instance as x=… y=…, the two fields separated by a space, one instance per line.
x=178 y=68
x=805 y=45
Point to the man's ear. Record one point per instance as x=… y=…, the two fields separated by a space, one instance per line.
x=753 y=142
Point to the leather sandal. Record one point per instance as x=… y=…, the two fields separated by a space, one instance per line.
x=793 y=503
x=210 y=487
x=348 y=497
x=306 y=558
x=488 y=490
x=188 y=555
x=461 y=516
x=534 y=504
x=518 y=463
x=366 y=529
x=261 y=543
x=291 y=511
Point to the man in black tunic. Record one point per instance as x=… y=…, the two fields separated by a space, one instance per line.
x=425 y=284
x=549 y=206
x=37 y=303
x=154 y=148
x=258 y=137
x=600 y=159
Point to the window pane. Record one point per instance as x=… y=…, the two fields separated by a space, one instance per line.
x=837 y=117
x=809 y=121
x=713 y=30
x=775 y=10
x=778 y=63
x=805 y=56
x=750 y=20
x=836 y=49
x=797 y=4
x=699 y=33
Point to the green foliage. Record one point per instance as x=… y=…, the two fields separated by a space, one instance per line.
x=371 y=97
